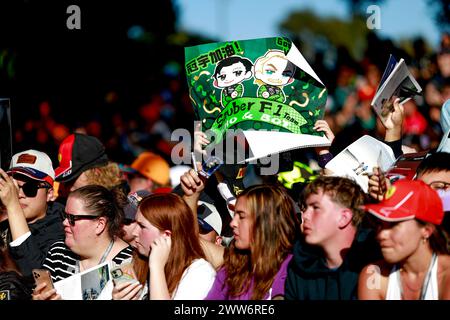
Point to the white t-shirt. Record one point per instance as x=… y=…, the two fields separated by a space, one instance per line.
x=196 y=281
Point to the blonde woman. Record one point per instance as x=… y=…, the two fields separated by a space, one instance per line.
x=255 y=265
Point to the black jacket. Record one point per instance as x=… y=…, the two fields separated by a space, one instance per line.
x=310 y=279
x=31 y=253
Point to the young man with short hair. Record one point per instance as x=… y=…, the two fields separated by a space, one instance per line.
x=333 y=248
x=35 y=221
x=434 y=170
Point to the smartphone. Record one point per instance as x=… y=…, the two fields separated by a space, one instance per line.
x=43 y=276
x=124 y=273
x=210 y=166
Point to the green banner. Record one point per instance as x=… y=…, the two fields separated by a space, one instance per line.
x=258 y=110
x=253 y=84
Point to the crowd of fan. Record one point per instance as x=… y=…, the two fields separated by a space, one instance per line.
x=188 y=237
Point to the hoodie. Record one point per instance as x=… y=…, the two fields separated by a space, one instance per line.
x=31 y=253
x=309 y=278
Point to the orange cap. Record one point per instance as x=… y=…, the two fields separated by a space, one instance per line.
x=153 y=167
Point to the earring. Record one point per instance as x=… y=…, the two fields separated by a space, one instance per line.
x=424 y=240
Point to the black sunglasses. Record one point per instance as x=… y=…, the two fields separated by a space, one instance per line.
x=30 y=188
x=72 y=218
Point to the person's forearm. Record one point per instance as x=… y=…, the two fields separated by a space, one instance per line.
x=213 y=253
x=393 y=134
x=192 y=202
x=17 y=222
x=158 y=284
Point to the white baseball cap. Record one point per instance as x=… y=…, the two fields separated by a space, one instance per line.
x=34 y=164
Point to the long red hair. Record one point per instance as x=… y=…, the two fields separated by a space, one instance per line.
x=168 y=211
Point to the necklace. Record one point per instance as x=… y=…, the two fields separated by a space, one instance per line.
x=426 y=281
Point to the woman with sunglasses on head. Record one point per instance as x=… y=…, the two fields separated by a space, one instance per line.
x=415 y=248
x=265 y=226
x=166 y=237
x=34 y=219
x=92 y=224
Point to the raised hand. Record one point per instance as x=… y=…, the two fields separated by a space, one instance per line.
x=159 y=253
x=394 y=122
x=191 y=183
x=200 y=139
x=378 y=184
x=322 y=126
x=8 y=190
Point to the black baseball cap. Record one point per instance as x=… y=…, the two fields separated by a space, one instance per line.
x=78 y=153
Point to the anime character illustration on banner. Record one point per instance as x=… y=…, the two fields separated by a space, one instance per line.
x=273 y=71
x=229 y=75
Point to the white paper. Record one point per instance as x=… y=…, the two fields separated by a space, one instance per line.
x=259 y=142
x=295 y=56
x=399 y=77
x=367 y=150
x=95 y=283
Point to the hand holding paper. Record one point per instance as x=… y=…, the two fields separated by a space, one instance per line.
x=265 y=87
x=394 y=122
x=322 y=126
x=200 y=139
x=397 y=82
x=358 y=160
x=378 y=184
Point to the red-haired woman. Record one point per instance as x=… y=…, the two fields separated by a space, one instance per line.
x=165 y=233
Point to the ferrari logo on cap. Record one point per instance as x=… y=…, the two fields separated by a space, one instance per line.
x=241 y=173
x=390 y=192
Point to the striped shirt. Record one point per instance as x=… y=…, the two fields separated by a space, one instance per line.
x=63 y=263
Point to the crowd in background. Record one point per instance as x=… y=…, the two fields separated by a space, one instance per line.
x=86 y=177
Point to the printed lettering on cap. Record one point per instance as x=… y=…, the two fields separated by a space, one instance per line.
x=67 y=173
x=27 y=158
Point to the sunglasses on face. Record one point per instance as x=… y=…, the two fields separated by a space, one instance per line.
x=72 y=218
x=30 y=189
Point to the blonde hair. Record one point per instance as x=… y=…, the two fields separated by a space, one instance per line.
x=107 y=176
x=261 y=61
x=275 y=227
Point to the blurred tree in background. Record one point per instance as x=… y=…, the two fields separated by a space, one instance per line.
x=441 y=10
